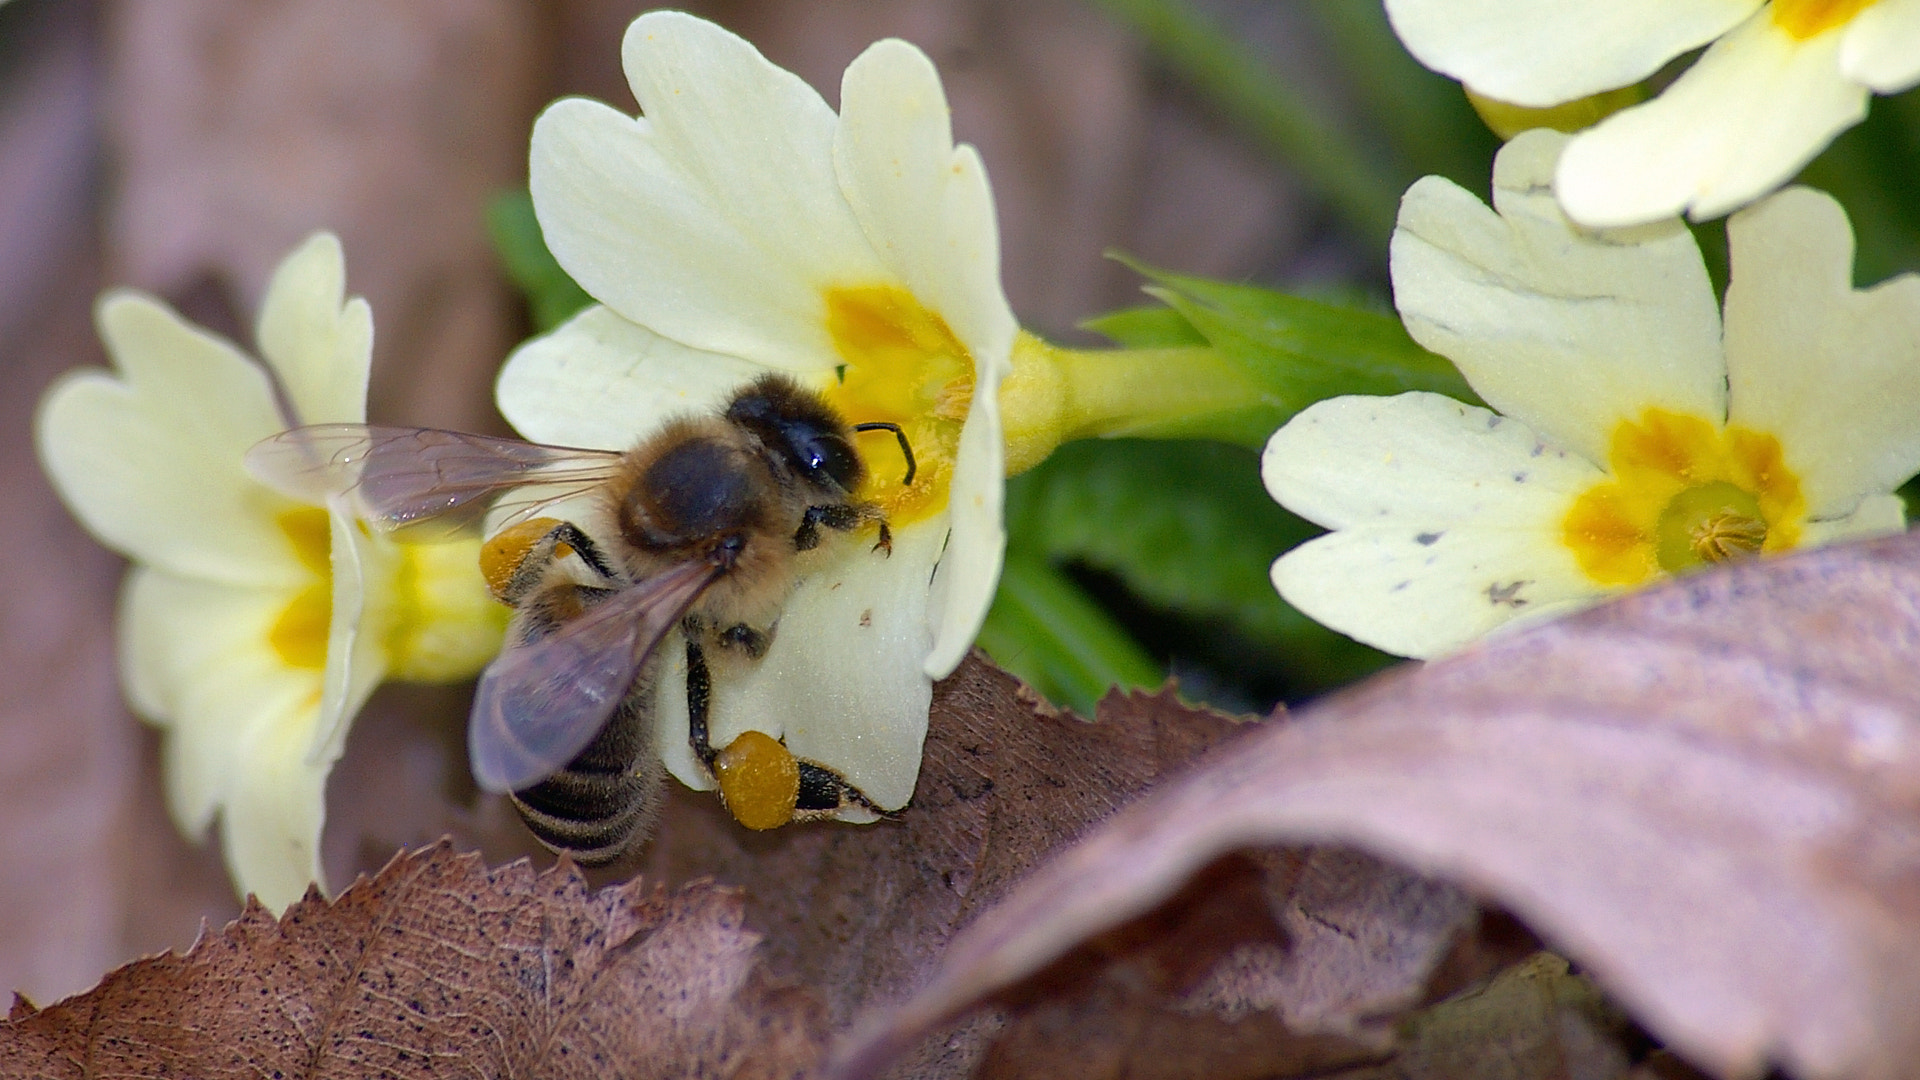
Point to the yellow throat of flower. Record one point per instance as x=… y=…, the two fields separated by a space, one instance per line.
x=1686 y=493
x=903 y=366
x=1804 y=19
x=426 y=601
x=299 y=635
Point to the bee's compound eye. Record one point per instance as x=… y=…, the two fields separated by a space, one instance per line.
x=759 y=780
x=829 y=455
x=504 y=551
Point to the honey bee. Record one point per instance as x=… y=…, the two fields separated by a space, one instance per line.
x=708 y=525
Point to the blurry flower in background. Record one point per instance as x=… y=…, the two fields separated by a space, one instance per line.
x=1636 y=440
x=740 y=226
x=1777 y=82
x=252 y=627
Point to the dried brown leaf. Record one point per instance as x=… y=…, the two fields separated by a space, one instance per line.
x=1534 y=1021
x=439 y=966
x=861 y=912
x=1707 y=794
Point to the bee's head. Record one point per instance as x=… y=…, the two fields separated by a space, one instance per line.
x=802 y=430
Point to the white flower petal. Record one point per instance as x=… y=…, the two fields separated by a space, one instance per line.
x=928 y=210
x=1878 y=515
x=925 y=205
x=1375 y=587
x=1565 y=331
x=318 y=343
x=1742 y=120
x=601 y=382
x=150 y=461
x=716 y=218
x=968 y=575
x=1882 y=46
x=1833 y=373
x=1543 y=52
x=841 y=683
x=201 y=652
x=1447 y=518
x=356 y=652
x=270 y=827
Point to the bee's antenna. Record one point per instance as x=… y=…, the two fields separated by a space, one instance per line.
x=906 y=448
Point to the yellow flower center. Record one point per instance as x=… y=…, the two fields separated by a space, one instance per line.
x=1685 y=493
x=903 y=366
x=1803 y=19
x=443 y=622
x=427 y=602
x=299 y=636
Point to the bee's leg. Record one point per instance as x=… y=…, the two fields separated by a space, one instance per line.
x=823 y=791
x=531 y=558
x=844 y=517
x=699 y=699
x=570 y=534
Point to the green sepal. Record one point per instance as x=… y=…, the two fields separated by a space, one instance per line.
x=1289 y=351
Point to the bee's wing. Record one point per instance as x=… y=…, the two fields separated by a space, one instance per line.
x=399 y=475
x=541 y=702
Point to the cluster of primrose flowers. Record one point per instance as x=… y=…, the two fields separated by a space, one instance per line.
x=739 y=225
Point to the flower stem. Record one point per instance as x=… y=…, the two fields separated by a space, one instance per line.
x=1057 y=394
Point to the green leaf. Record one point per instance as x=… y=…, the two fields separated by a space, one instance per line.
x=1291 y=352
x=1149 y=326
x=552 y=297
x=1044 y=629
x=1190 y=531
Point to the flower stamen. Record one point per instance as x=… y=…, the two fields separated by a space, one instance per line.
x=1686 y=493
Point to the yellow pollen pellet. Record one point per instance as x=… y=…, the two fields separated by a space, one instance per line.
x=504 y=551
x=759 y=780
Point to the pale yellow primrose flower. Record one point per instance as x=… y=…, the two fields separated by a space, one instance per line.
x=1779 y=79
x=252 y=627
x=739 y=226
x=1640 y=436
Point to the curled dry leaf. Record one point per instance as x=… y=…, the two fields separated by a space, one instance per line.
x=436 y=966
x=1707 y=794
x=1320 y=942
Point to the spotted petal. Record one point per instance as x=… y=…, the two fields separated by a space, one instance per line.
x=1446 y=517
